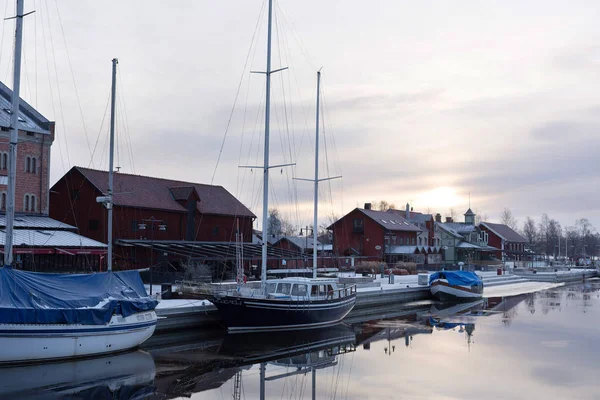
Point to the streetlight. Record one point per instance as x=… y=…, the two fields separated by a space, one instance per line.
x=161 y=227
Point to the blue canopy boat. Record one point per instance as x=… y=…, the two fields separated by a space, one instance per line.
x=456 y=285
x=55 y=316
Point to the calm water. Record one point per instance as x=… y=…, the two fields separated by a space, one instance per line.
x=537 y=346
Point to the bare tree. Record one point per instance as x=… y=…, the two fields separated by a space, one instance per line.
x=508 y=219
x=278 y=225
x=529 y=230
x=382 y=205
x=480 y=217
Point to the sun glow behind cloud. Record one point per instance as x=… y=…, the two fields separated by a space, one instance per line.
x=439 y=198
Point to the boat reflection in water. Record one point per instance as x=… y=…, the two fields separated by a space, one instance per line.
x=122 y=376
x=189 y=371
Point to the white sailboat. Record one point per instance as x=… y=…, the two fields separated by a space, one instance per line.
x=288 y=303
x=58 y=316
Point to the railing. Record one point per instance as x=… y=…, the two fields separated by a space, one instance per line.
x=341 y=293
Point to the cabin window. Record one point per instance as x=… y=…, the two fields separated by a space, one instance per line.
x=314 y=290
x=284 y=288
x=322 y=291
x=300 y=289
x=271 y=287
x=329 y=290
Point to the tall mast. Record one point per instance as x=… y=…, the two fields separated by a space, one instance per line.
x=316 y=179
x=111 y=162
x=14 y=138
x=266 y=155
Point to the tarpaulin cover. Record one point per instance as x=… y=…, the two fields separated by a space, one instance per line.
x=457 y=278
x=91 y=299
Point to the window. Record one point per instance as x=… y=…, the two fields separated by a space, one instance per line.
x=284 y=288
x=28 y=164
x=134 y=226
x=271 y=287
x=4 y=161
x=414 y=241
x=26 y=203
x=300 y=289
x=3 y=205
x=215 y=230
x=75 y=194
x=93 y=224
x=401 y=240
x=32 y=203
x=358 y=226
x=33 y=165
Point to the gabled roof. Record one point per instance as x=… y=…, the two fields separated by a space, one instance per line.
x=29 y=119
x=157 y=193
x=35 y=222
x=504 y=232
x=183 y=193
x=301 y=242
x=390 y=221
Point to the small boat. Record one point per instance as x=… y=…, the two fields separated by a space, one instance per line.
x=455 y=285
x=288 y=303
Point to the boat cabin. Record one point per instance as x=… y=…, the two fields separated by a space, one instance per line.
x=299 y=288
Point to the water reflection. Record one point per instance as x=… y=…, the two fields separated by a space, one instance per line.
x=124 y=376
x=542 y=343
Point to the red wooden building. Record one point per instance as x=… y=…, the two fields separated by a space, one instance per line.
x=510 y=243
x=367 y=233
x=150 y=212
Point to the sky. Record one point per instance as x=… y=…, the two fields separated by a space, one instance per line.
x=423 y=102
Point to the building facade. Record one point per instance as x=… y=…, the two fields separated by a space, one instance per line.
x=372 y=235
x=510 y=244
x=148 y=211
x=40 y=243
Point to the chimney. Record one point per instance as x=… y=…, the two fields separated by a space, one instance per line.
x=438 y=217
x=367 y=206
x=407 y=211
x=449 y=219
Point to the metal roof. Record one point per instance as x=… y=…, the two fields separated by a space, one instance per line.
x=162 y=194
x=212 y=250
x=49 y=238
x=390 y=221
x=29 y=119
x=505 y=232
x=36 y=221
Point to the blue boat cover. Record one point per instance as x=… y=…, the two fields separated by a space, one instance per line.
x=457 y=278
x=90 y=299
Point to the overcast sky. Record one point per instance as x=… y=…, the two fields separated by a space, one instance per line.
x=424 y=101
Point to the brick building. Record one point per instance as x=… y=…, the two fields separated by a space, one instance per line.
x=174 y=218
x=40 y=243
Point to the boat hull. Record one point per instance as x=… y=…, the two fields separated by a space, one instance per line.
x=23 y=343
x=441 y=290
x=248 y=314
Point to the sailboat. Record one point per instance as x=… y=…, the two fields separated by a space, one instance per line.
x=59 y=316
x=288 y=303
